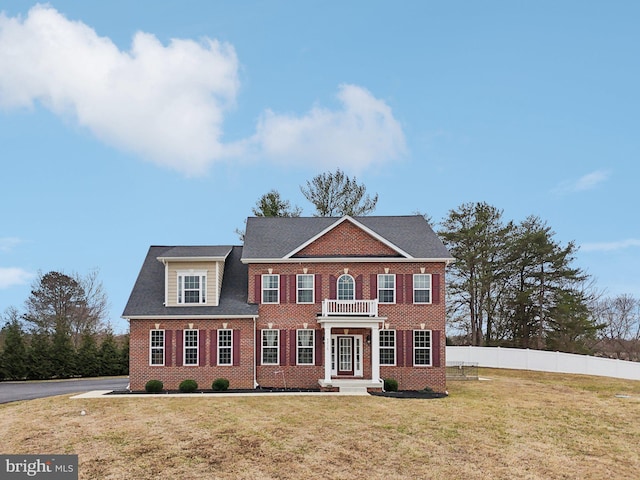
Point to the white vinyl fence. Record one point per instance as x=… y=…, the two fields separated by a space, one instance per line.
x=496 y=357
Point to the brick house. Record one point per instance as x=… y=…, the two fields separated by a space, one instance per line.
x=306 y=303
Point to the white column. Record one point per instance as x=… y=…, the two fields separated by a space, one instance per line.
x=327 y=353
x=375 y=353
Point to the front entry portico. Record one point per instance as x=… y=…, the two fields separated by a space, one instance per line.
x=344 y=350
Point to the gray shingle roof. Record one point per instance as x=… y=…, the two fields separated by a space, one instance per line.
x=147 y=296
x=275 y=237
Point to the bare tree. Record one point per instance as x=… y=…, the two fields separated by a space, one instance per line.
x=66 y=305
x=335 y=194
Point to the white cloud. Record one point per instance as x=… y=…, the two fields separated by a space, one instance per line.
x=610 y=246
x=8 y=243
x=167 y=103
x=363 y=133
x=586 y=182
x=10 y=276
x=164 y=103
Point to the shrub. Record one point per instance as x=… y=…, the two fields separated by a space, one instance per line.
x=390 y=385
x=220 y=384
x=153 y=386
x=188 y=386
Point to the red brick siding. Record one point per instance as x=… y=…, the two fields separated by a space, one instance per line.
x=401 y=316
x=140 y=372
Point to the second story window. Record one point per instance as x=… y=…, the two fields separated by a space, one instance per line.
x=270 y=288
x=192 y=287
x=346 y=287
x=422 y=288
x=387 y=288
x=304 y=289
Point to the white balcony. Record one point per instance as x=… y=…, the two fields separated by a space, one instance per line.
x=356 y=308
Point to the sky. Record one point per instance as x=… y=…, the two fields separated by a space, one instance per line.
x=129 y=124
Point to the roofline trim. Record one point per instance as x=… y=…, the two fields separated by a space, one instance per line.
x=184 y=317
x=357 y=224
x=192 y=259
x=446 y=260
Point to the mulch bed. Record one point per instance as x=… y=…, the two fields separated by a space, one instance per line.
x=400 y=394
x=424 y=394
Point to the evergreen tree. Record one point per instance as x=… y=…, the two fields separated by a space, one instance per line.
x=476 y=237
x=63 y=364
x=271 y=205
x=14 y=353
x=109 y=357
x=39 y=357
x=124 y=356
x=88 y=358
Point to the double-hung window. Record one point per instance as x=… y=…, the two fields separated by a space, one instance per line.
x=192 y=287
x=387 y=288
x=191 y=347
x=156 y=347
x=270 y=347
x=304 y=289
x=225 y=347
x=422 y=288
x=305 y=347
x=270 y=288
x=422 y=347
x=387 y=347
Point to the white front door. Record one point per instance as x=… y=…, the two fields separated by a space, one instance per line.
x=346 y=355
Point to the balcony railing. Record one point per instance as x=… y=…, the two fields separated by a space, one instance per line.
x=362 y=308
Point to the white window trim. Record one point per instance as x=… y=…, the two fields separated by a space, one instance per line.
x=313 y=288
x=312 y=346
x=395 y=349
x=393 y=290
x=263 y=289
x=422 y=289
x=184 y=348
x=164 y=341
x=277 y=347
x=219 y=347
x=202 y=289
x=430 y=347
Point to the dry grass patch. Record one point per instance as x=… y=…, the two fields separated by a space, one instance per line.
x=517 y=425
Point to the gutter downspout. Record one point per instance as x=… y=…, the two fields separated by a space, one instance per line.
x=255 y=359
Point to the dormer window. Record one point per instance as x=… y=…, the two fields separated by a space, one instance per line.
x=192 y=287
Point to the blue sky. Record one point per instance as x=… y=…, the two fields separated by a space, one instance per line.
x=126 y=124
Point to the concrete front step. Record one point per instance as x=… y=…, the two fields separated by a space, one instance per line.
x=347 y=390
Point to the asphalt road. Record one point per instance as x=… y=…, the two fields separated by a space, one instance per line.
x=14 y=391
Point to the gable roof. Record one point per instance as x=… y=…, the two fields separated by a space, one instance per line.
x=279 y=238
x=147 y=296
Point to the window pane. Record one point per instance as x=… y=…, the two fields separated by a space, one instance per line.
x=270 y=281
x=422 y=296
x=422 y=281
x=305 y=281
x=270 y=338
x=305 y=338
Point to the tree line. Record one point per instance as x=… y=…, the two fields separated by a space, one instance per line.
x=62 y=332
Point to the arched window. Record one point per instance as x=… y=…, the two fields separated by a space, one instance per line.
x=346 y=287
